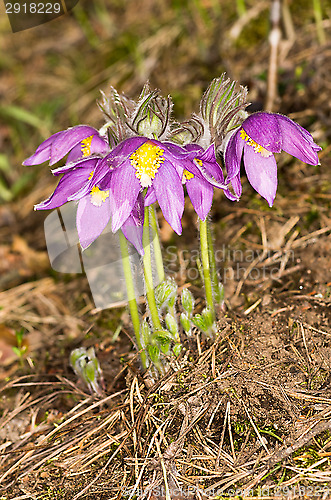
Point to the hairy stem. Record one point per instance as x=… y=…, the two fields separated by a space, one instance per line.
x=156 y=244
x=148 y=273
x=133 y=307
x=212 y=263
x=205 y=264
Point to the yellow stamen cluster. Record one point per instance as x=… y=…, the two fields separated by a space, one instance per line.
x=98 y=196
x=146 y=160
x=91 y=175
x=86 y=145
x=187 y=176
x=257 y=148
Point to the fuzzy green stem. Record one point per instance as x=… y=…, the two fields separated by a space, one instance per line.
x=148 y=273
x=156 y=244
x=212 y=262
x=131 y=295
x=319 y=21
x=205 y=264
x=241 y=7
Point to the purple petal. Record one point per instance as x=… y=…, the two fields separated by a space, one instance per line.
x=201 y=196
x=133 y=226
x=170 y=195
x=68 y=140
x=150 y=197
x=175 y=152
x=264 y=129
x=96 y=177
x=297 y=141
x=194 y=148
x=237 y=188
x=124 y=187
x=210 y=164
x=95 y=146
x=43 y=152
x=91 y=220
x=67 y=187
x=121 y=153
x=232 y=155
x=261 y=173
x=87 y=163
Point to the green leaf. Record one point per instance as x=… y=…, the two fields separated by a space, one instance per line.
x=22 y=115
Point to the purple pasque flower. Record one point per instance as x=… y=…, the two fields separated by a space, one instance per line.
x=86 y=183
x=139 y=163
x=81 y=141
x=259 y=136
x=201 y=165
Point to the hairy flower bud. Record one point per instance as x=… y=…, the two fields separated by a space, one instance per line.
x=187 y=301
x=86 y=366
x=172 y=325
x=186 y=323
x=152 y=114
x=165 y=293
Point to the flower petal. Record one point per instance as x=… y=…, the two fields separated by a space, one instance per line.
x=237 y=188
x=95 y=145
x=91 y=220
x=96 y=177
x=264 y=129
x=133 y=226
x=211 y=165
x=173 y=151
x=124 y=187
x=201 y=196
x=261 y=173
x=170 y=195
x=150 y=197
x=87 y=163
x=68 y=140
x=67 y=187
x=232 y=155
x=43 y=152
x=297 y=141
x=121 y=153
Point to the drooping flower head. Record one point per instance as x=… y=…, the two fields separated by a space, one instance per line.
x=256 y=140
x=141 y=164
x=86 y=182
x=221 y=108
x=81 y=141
x=201 y=164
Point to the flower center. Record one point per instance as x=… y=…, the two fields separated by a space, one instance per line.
x=86 y=145
x=188 y=175
x=98 y=196
x=146 y=160
x=257 y=148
